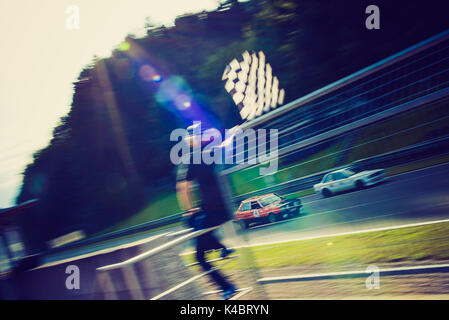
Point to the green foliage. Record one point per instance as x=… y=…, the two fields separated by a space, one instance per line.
x=409 y=245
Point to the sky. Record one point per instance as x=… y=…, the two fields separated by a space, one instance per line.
x=42 y=54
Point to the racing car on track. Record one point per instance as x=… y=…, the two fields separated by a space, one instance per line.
x=266 y=208
x=347 y=179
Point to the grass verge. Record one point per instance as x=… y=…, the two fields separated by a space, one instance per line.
x=301 y=193
x=411 y=244
x=164 y=204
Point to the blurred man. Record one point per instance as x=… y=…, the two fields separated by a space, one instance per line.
x=212 y=211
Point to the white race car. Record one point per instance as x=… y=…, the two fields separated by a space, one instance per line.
x=346 y=179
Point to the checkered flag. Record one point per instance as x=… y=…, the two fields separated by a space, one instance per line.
x=252 y=86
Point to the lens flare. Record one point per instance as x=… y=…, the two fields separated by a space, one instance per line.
x=124 y=46
x=182 y=101
x=187 y=104
x=175 y=91
x=146 y=72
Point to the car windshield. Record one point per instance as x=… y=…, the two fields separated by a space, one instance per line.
x=348 y=172
x=246 y=206
x=269 y=199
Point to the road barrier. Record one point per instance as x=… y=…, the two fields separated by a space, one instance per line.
x=434 y=147
x=156 y=278
x=157 y=250
x=158 y=269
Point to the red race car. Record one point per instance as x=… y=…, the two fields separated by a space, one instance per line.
x=267 y=208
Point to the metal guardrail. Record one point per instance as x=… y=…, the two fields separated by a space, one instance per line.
x=120 y=233
x=152 y=252
x=405 y=155
x=350 y=79
x=345 y=129
x=408 y=79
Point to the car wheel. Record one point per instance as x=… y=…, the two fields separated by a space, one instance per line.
x=297 y=212
x=272 y=218
x=326 y=193
x=243 y=224
x=359 y=184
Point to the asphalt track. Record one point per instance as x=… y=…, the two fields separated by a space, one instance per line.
x=414 y=197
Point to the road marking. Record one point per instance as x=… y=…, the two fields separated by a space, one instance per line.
x=357 y=274
x=348 y=233
x=325 y=212
x=273 y=223
x=242 y=293
x=336 y=234
x=354 y=206
x=329 y=211
x=390 y=182
x=375 y=217
x=220 y=291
